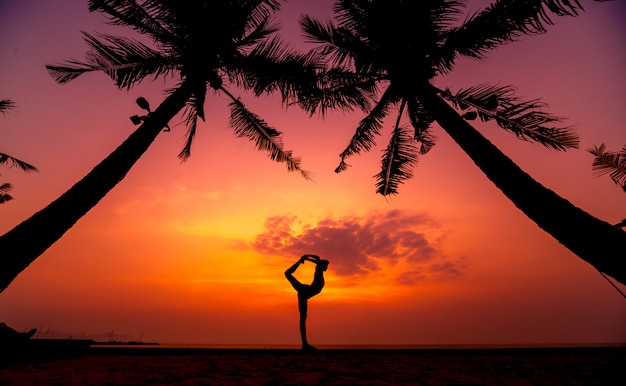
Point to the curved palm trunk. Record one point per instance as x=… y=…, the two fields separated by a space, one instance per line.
x=595 y=241
x=23 y=244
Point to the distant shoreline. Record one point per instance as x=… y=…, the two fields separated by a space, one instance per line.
x=120 y=343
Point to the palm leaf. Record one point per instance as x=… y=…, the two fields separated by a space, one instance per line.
x=14 y=162
x=523 y=118
x=421 y=121
x=5 y=105
x=259 y=31
x=4 y=197
x=259 y=10
x=503 y=21
x=141 y=17
x=5 y=187
x=566 y=7
x=368 y=128
x=126 y=61
x=191 y=120
x=275 y=66
x=194 y=109
x=445 y=13
x=247 y=124
x=338 y=45
x=338 y=88
x=607 y=162
x=398 y=160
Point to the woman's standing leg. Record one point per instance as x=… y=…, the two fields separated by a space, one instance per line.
x=303 y=308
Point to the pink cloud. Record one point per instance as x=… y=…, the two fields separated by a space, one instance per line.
x=354 y=244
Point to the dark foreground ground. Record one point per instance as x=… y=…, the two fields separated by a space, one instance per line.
x=149 y=366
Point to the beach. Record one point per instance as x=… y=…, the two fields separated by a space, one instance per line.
x=193 y=366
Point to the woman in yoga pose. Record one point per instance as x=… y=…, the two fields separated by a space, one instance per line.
x=307 y=291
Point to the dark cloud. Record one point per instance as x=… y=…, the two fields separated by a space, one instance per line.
x=355 y=244
x=446 y=268
x=411 y=277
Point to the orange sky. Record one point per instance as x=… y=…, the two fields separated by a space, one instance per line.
x=195 y=252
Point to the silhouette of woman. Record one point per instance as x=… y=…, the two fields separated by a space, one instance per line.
x=307 y=291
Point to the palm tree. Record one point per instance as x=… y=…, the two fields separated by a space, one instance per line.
x=5 y=159
x=392 y=50
x=208 y=43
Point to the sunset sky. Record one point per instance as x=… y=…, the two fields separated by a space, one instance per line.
x=195 y=252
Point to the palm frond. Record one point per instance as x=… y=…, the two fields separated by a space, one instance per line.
x=69 y=70
x=247 y=124
x=523 y=118
x=194 y=109
x=503 y=21
x=398 y=161
x=338 y=88
x=566 y=7
x=260 y=22
x=421 y=121
x=347 y=44
x=445 y=13
x=338 y=45
x=142 y=17
x=5 y=105
x=191 y=122
x=274 y=66
x=363 y=138
x=4 y=197
x=126 y=61
x=260 y=10
x=608 y=162
x=14 y=162
x=259 y=33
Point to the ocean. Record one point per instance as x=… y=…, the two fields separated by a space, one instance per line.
x=204 y=346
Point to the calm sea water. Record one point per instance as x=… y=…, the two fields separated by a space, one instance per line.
x=365 y=347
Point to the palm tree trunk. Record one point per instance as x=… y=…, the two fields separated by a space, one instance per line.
x=23 y=244
x=595 y=241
